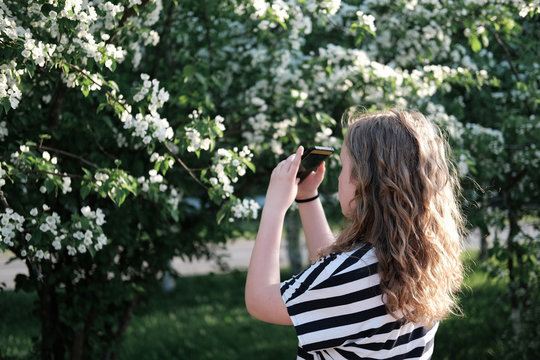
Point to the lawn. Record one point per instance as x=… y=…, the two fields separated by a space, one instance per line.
x=205 y=318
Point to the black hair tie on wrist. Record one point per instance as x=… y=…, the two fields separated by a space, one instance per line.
x=307 y=200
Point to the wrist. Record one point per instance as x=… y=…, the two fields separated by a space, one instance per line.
x=307 y=194
x=308 y=199
x=273 y=210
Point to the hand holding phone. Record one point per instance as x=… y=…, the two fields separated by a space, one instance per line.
x=311 y=160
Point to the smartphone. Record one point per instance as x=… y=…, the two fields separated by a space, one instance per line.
x=311 y=159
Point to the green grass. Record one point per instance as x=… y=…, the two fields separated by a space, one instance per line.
x=477 y=333
x=18 y=326
x=205 y=318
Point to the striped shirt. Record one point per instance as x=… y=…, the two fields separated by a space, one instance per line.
x=338 y=312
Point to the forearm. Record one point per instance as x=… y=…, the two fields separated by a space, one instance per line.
x=316 y=229
x=264 y=263
x=263 y=297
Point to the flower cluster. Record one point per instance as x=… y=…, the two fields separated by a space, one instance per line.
x=529 y=7
x=227 y=166
x=37 y=51
x=9 y=84
x=202 y=131
x=11 y=223
x=483 y=136
x=148 y=126
x=45 y=233
x=243 y=209
x=366 y=20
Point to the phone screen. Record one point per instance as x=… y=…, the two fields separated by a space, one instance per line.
x=312 y=158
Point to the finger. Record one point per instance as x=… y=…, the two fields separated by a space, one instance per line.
x=298 y=157
x=321 y=170
x=294 y=160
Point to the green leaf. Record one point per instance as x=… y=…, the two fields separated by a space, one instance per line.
x=475 y=43
x=85 y=190
x=221 y=214
x=85 y=90
x=188 y=71
x=91 y=250
x=250 y=165
x=114 y=85
x=100 y=107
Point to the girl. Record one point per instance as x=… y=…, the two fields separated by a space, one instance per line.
x=380 y=288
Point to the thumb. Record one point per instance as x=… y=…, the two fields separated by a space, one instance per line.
x=320 y=171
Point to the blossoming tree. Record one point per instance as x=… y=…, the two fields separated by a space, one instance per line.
x=132 y=129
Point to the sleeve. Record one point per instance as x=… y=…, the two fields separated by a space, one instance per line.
x=330 y=300
x=298 y=292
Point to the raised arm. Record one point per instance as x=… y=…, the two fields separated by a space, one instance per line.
x=263 y=295
x=316 y=228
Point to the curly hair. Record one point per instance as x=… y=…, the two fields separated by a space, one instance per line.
x=406 y=206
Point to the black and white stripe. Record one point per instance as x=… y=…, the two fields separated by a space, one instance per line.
x=338 y=313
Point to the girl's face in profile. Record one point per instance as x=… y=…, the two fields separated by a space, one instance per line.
x=346 y=187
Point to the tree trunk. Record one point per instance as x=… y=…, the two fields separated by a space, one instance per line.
x=514 y=280
x=124 y=322
x=484 y=233
x=52 y=347
x=77 y=344
x=292 y=228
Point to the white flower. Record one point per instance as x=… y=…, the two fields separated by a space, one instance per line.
x=42 y=189
x=46 y=155
x=102 y=239
x=34 y=212
x=28 y=237
x=39 y=254
x=100 y=217
x=66 y=185
x=87 y=211
x=23 y=253
x=51 y=221
x=71 y=250
x=44 y=227
x=81 y=248
x=57 y=245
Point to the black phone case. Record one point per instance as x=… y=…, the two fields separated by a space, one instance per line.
x=311 y=159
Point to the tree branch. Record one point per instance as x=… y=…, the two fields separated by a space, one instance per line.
x=66 y=153
x=75 y=176
x=190 y=172
x=129 y=12
x=4 y=200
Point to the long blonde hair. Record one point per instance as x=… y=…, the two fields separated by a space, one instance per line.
x=406 y=206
